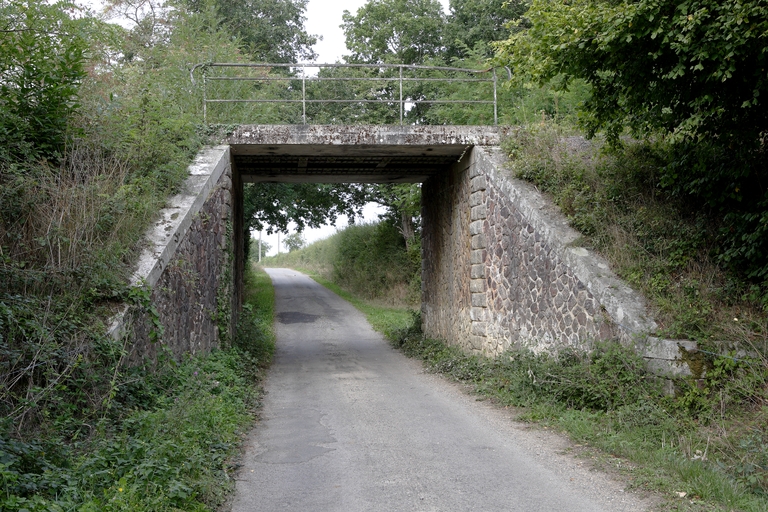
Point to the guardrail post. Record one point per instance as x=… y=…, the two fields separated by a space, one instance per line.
x=495 y=101
x=304 y=95
x=401 y=94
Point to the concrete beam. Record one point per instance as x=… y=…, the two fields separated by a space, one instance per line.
x=355 y=135
x=352 y=154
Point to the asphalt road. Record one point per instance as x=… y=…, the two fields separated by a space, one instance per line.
x=350 y=424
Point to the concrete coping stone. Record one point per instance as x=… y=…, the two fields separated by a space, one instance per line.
x=367 y=134
x=162 y=238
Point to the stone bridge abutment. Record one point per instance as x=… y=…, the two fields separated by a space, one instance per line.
x=501 y=268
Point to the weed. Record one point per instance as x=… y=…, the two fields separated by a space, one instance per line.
x=164 y=442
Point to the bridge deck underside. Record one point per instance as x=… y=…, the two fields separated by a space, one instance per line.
x=351 y=154
x=344 y=164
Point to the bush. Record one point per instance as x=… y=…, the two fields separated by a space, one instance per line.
x=42 y=63
x=372 y=261
x=161 y=440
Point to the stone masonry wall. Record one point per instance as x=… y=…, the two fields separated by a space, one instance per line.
x=187 y=269
x=502 y=270
x=527 y=295
x=446 y=301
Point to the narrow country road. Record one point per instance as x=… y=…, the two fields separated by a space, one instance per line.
x=350 y=424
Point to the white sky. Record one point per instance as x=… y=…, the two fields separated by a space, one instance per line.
x=323 y=19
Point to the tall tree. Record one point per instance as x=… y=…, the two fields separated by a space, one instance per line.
x=398 y=31
x=270 y=30
x=473 y=24
x=403 y=204
x=294 y=241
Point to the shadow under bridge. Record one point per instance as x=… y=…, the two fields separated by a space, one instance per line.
x=353 y=153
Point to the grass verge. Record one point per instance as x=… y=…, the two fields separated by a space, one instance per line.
x=387 y=320
x=167 y=441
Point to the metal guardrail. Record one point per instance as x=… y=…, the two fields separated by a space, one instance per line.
x=400 y=79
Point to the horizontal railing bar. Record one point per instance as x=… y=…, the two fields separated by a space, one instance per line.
x=382 y=86
x=487 y=102
x=310 y=65
x=302 y=101
x=328 y=79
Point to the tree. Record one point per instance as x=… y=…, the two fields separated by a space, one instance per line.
x=253 y=253
x=42 y=56
x=690 y=71
x=474 y=24
x=294 y=241
x=396 y=31
x=272 y=206
x=694 y=69
x=270 y=30
x=403 y=204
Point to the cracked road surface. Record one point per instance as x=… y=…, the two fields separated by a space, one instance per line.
x=350 y=424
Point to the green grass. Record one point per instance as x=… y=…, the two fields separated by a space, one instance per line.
x=387 y=320
x=168 y=439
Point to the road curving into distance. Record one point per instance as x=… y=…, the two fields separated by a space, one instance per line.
x=350 y=424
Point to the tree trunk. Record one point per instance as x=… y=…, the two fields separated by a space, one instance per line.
x=406 y=229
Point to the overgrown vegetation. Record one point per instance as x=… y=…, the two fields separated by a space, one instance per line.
x=369 y=260
x=660 y=243
x=97 y=126
x=162 y=440
x=689 y=73
x=72 y=213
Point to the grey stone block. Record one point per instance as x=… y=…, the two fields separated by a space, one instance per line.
x=478 y=212
x=478 y=242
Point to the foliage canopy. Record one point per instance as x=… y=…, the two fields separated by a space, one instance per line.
x=694 y=68
x=269 y=30
x=399 y=31
x=693 y=72
x=42 y=62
